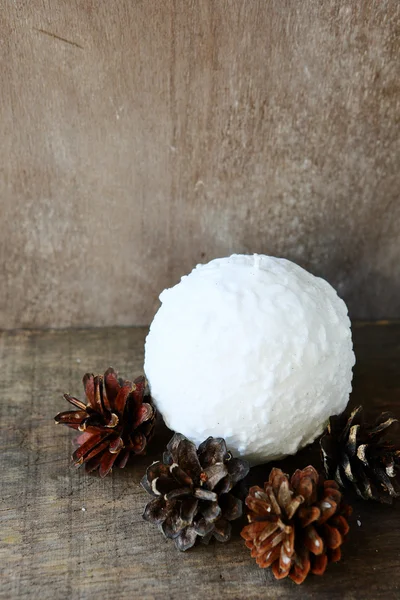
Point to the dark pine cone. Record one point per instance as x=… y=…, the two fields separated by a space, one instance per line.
x=117 y=420
x=359 y=456
x=191 y=489
x=296 y=527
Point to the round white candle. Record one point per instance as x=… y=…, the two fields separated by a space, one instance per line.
x=253 y=349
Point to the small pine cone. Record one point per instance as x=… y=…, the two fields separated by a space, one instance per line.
x=360 y=456
x=191 y=489
x=117 y=420
x=296 y=527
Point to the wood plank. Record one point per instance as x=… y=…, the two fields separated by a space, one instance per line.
x=65 y=534
x=140 y=138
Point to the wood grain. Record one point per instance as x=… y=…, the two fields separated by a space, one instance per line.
x=140 y=138
x=65 y=534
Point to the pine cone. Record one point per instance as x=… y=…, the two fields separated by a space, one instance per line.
x=359 y=456
x=117 y=420
x=296 y=527
x=191 y=489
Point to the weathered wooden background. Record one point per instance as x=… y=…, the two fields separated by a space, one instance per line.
x=141 y=137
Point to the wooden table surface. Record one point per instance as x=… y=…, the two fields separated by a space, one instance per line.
x=65 y=534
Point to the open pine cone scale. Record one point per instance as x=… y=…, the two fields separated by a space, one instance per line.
x=117 y=420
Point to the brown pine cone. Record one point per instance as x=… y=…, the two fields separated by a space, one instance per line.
x=117 y=421
x=191 y=489
x=361 y=457
x=296 y=527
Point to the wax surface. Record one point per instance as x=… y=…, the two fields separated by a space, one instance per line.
x=253 y=349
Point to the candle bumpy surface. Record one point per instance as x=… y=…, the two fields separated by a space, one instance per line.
x=253 y=349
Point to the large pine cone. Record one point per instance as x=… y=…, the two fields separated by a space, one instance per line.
x=191 y=489
x=117 y=420
x=296 y=527
x=360 y=456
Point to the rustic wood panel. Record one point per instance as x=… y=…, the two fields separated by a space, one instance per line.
x=139 y=138
x=65 y=534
